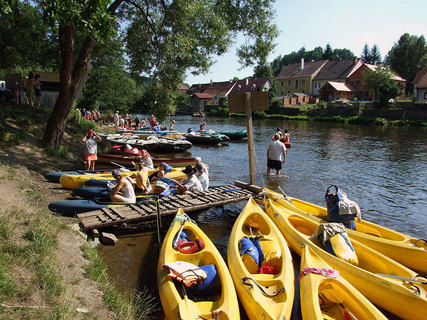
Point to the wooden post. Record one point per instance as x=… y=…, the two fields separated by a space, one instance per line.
x=251 y=148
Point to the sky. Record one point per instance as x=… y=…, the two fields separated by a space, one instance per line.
x=342 y=24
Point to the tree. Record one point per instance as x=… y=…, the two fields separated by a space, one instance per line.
x=109 y=87
x=366 y=54
x=407 y=57
x=382 y=84
x=27 y=42
x=342 y=54
x=375 y=55
x=328 y=53
x=164 y=39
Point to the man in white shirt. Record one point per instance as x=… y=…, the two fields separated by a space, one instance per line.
x=191 y=184
x=276 y=155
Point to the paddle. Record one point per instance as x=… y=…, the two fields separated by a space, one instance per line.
x=286 y=197
x=116 y=164
x=251 y=224
x=179 y=233
x=187 y=308
x=331 y=295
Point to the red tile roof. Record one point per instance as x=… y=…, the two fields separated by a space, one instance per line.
x=340 y=86
x=395 y=76
x=420 y=79
x=294 y=70
x=203 y=95
x=213 y=88
x=340 y=69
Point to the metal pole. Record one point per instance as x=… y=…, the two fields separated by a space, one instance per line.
x=251 y=148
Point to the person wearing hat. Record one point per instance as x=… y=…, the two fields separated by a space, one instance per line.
x=123 y=191
x=190 y=184
x=163 y=169
x=91 y=148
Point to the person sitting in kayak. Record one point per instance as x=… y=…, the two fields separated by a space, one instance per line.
x=123 y=191
x=163 y=169
x=190 y=184
x=141 y=176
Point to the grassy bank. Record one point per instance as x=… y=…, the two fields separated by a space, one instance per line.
x=305 y=116
x=34 y=281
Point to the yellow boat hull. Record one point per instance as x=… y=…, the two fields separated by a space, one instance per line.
x=404 y=298
x=407 y=250
x=323 y=297
x=256 y=304
x=226 y=302
x=70 y=181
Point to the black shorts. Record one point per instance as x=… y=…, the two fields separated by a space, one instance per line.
x=274 y=164
x=38 y=92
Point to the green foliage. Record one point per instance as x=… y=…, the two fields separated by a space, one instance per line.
x=322 y=104
x=375 y=55
x=220 y=111
x=407 y=57
x=27 y=42
x=382 y=84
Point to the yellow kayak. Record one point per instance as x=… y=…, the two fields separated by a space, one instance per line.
x=175 y=304
x=407 y=250
x=274 y=296
x=330 y=298
x=72 y=181
x=385 y=282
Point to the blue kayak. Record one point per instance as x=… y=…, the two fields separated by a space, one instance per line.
x=73 y=207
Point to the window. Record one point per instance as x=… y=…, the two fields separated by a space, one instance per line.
x=289 y=83
x=282 y=83
x=315 y=84
x=303 y=82
x=357 y=82
x=425 y=95
x=303 y=91
x=296 y=84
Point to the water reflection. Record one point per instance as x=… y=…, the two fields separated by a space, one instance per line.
x=383 y=168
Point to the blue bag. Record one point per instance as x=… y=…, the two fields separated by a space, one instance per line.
x=332 y=199
x=212 y=284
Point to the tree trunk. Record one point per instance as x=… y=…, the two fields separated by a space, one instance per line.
x=71 y=75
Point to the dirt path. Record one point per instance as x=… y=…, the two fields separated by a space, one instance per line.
x=30 y=161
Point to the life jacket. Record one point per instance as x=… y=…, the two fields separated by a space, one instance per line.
x=189 y=247
x=185 y=272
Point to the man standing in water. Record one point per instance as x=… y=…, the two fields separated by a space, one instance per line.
x=276 y=155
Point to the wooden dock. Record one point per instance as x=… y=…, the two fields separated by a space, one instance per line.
x=147 y=210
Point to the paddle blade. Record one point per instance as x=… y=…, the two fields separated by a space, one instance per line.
x=188 y=309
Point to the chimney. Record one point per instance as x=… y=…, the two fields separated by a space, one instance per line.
x=211 y=82
x=200 y=85
x=247 y=81
x=354 y=60
x=302 y=63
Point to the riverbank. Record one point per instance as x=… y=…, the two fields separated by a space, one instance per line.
x=48 y=269
x=396 y=115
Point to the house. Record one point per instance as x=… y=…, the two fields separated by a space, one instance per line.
x=215 y=89
x=298 y=77
x=251 y=84
x=357 y=77
x=420 y=86
x=335 y=71
x=198 y=101
x=182 y=88
x=334 y=90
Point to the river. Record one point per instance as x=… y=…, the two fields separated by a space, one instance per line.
x=382 y=168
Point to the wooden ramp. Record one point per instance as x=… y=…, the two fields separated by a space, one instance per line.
x=147 y=209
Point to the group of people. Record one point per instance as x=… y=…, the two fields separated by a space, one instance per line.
x=32 y=86
x=196 y=180
x=276 y=151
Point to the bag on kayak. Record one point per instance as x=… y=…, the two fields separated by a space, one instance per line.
x=340 y=208
x=185 y=272
x=251 y=253
x=211 y=285
x=334 y=239
x=189 y=247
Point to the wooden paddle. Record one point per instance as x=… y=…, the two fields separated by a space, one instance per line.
x=188 y=308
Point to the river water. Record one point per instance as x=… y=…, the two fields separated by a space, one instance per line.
x=382 y=168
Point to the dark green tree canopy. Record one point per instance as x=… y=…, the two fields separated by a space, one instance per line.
x=375 y=55
x=407 y=56
x=382 y=84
